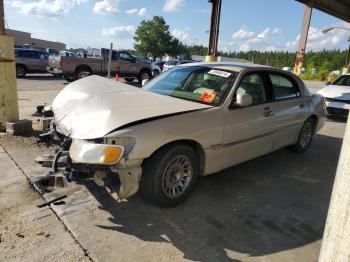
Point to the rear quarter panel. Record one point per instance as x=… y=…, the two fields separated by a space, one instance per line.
x=70 y=64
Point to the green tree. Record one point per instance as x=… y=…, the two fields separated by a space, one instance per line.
x=152 y=38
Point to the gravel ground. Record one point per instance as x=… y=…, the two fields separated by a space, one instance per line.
x=29 y=233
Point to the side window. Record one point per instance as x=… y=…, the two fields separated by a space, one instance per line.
x=125 y=56
x=253 y=84
x=284 y=88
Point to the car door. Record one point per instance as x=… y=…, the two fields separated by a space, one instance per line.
x=289 y=107
x=38 y=61
x=128 y=65
x=248 y=131
x=43 y=62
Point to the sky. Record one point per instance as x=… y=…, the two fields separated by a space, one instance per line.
x=264 y=25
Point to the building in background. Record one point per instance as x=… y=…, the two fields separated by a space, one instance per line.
x=24 y=39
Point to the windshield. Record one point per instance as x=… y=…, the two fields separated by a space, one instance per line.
x=342 y=81
x=197 y=84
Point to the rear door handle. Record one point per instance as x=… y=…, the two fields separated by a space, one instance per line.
x=302 y=105
x=268 y=113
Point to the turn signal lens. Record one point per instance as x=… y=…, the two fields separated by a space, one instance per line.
x=112 y=154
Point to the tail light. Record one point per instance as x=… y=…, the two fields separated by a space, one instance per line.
x=61 y=63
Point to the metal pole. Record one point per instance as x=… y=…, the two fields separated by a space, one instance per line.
x=214 y=30
x=348 y=57
x=336 y=237
x=109 y=60
x=303 y=38
x=2 y=18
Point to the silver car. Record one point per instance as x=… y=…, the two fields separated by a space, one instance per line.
x=30 y=61
x=194 y=119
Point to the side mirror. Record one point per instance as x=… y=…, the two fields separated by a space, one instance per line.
x=243 y=100
x=328 y=83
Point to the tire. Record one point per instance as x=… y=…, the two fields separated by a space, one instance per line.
x=155 y=73
x=144 y=74
x=21 y=71
x=305 y=136
x=166 y=172
x=129 y=80
x=70 y=78
x=83 y=72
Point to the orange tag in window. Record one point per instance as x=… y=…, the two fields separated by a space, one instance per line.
x=207 y=97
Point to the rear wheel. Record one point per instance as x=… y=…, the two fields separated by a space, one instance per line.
x=306 y=134
x=21 y=71
x=144 y=75
x=169 y=175
x=83 y=72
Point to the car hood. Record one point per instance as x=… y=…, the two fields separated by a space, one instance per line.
x=335 y=91
x=94 y=106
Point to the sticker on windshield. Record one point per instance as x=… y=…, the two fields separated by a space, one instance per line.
x=219 y=73
x=207 y=97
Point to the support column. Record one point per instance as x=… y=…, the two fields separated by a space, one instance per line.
x=214 y=31
x=336 y=237
x=299 y=61
x=8 y=86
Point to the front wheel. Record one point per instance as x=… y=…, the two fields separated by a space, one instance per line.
x=306 y=134
x=155 y=73
x=169 y=175
x=70 y=77
x=144 y=75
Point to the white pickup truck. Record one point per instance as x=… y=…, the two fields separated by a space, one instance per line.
x=55 y=64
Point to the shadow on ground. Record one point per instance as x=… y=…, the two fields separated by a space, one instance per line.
x=43 y=77
x=274 y=203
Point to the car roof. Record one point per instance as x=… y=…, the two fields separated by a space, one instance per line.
x=232 y=66
x=28 y=49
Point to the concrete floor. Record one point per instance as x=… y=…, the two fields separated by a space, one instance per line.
x=269 y=209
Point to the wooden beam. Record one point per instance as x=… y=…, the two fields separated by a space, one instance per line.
x=2 y=18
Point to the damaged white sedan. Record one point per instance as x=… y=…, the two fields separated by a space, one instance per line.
x=193 y=120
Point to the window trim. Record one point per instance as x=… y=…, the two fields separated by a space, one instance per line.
x=291 y=79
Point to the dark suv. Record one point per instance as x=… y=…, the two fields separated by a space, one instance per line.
x=30 y=61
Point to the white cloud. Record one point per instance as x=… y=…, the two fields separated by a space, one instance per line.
x=46 y=8
x=119 y=30
x=317 y=40
x=106 y=7
x=139 y=12
x=132 y=11
x=243 y=34
x=181 y=35
x=142 y=12
x=173 y=5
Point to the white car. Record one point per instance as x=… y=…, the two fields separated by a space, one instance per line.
x=194 y=119
x=337 y=96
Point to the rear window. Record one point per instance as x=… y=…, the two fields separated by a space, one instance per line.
x=283 y=87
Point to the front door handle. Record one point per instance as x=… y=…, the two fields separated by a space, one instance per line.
x=268 y=113
x=302 y=106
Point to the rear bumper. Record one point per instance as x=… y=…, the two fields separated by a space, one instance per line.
x=54 y=70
